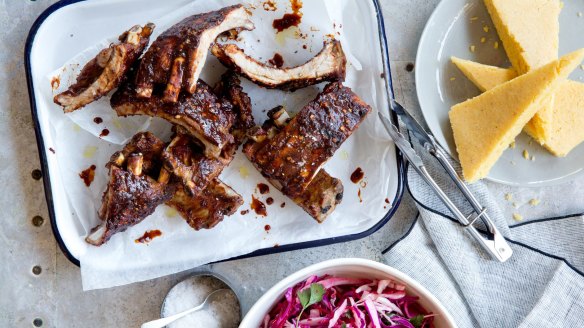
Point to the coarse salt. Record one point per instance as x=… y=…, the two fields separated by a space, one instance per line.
x=223 y=312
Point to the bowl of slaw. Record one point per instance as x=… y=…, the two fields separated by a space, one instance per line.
x=348 y=292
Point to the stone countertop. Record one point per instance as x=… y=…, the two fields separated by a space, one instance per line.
x=40 y=287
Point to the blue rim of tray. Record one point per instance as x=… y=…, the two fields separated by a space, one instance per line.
x=264 y=251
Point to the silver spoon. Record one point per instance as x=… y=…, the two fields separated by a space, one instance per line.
x=165 y=321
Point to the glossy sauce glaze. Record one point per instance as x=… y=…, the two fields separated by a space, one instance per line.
x=258 y=206
x=357 y=175
x=263 y=188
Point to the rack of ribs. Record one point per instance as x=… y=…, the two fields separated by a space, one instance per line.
x=202 y=114
x=132 y=193
x=107 y=70
x=328 y=65
x=323 y=194
x=177 y=56
x=292 y=158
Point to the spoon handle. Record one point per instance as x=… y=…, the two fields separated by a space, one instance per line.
x=165 y=321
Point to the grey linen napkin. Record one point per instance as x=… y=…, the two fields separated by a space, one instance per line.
x=541 y=285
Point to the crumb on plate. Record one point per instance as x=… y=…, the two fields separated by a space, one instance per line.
x=517 y=217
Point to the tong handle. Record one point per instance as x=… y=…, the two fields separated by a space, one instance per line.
x=496 y=247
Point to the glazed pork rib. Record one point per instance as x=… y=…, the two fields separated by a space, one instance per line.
x=107 y=70
x=185 y=159
x=132 y=193
x=293 y=157
x=209 y=208
x=144 y=143
x=328 y=65
x=323 y=194
x=177 y=56
x=183 y=156
x=229 y=88
x=202 y=114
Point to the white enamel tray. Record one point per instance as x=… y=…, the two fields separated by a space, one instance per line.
x=69 y=27
x=440 y=85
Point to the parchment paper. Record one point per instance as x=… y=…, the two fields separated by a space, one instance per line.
x=122 y=260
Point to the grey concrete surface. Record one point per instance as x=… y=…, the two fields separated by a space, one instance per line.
x=55 y=295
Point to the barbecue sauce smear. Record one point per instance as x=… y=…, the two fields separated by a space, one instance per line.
x=357 y=175
x=87 y=175
x=258 y=206
x=277 y=61
x=289 y=20
x=263 y=188
x=148 y=236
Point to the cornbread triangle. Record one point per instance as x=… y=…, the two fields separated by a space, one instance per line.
x=484 y=126
x=485 y=77
x=567 y=131
x=529 y=30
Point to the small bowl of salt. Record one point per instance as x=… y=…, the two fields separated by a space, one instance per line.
x=223 y=312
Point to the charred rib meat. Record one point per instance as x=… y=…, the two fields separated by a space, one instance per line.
x=132 y=193
x=183 y=156
x=229 y=87
x=202 y=114
x=176 y=58
x=209 y=208
x=328 y=65
x=323 y=194
x=106 y=71
x=144 y=143
x=185 y=159
x=293 y=157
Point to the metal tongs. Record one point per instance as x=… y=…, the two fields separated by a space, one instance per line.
x=495 y=244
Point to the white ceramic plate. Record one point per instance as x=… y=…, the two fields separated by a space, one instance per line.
x=450 y=32
x=354 y=268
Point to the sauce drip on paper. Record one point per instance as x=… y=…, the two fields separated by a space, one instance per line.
x=87 y=175
x=148 y=236
x=258 y=206
x=289 y=20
